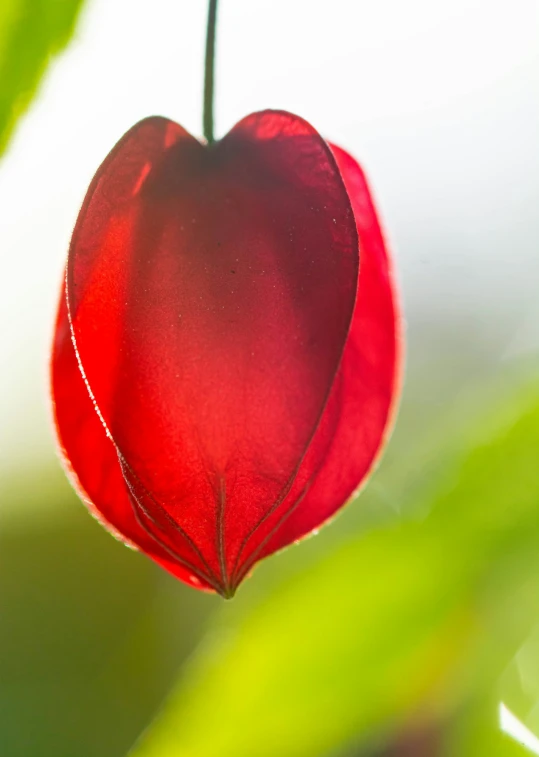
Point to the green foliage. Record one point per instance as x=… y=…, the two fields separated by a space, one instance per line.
x=31 y=33
x=408 y=622
x=91 y=633
x=476 y=733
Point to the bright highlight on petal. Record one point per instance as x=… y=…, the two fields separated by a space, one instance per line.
x=224 y=371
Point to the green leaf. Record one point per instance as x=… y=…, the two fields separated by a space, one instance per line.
x=406 y=621
x=477 y=733
x=91 y=632
x=31 y=33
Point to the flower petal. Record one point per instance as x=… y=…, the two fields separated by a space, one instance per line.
x=211 y=291
x=359 y=414
x=92 y=462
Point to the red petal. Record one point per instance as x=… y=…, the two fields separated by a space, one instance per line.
x=358 y=417
x=91 y=459
x=211 y=292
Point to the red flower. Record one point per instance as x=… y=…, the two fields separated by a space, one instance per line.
x=219 y=389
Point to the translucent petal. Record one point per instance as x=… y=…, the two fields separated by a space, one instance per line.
x=211 y=291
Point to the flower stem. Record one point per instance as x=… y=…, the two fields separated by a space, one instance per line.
x=209 y=72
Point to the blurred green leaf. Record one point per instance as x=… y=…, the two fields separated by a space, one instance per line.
x=520 y=683
x=91 y=633
x=477 y=733
x=31 y=33
x=406 y=622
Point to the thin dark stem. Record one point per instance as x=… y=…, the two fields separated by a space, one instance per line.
x=209 y=72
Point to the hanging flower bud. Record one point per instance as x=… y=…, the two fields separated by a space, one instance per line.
x=221 y=383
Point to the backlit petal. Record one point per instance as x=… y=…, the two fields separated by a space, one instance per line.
x=358 y=417
x=91 y=459
x=211 y=291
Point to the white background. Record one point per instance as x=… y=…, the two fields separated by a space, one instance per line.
x=439 y=100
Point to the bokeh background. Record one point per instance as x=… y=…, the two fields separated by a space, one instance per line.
x=403 y=628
